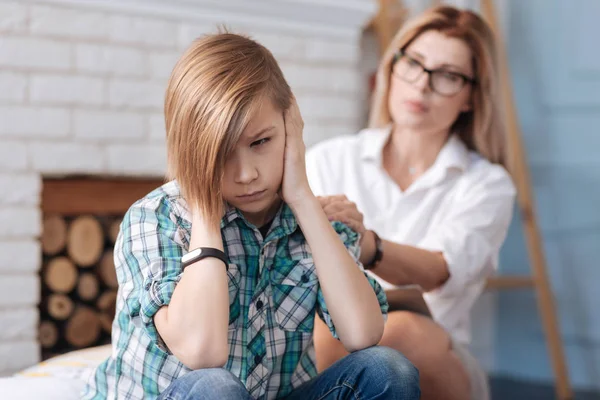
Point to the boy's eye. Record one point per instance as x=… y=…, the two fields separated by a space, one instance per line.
x=259 y=142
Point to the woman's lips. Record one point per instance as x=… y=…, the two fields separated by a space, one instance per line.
x=416 y=106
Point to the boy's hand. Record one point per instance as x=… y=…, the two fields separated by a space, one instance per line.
x=295 y=187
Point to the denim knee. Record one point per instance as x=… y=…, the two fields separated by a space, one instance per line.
x=392 y=369
x=206 y=384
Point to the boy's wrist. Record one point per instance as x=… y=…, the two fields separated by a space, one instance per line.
x=205 y=233
x=303 y=202
x=300 y=197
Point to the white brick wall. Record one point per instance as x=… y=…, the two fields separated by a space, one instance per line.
x=81 y=92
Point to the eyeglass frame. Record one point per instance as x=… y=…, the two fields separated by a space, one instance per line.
x=466 y=79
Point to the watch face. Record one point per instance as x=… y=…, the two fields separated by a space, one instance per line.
x=191 y=255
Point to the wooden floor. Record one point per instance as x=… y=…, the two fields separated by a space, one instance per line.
x=510 y=389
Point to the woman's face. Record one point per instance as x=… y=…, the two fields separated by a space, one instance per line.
x=412 y=102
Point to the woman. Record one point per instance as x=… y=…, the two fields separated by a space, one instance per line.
x=429 y=179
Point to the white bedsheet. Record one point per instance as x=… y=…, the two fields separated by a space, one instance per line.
x=59 y=378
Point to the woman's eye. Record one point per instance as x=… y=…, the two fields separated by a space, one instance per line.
x=450 y=76
x=259 y=142
x=413 y=63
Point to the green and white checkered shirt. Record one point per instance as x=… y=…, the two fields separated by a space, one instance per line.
x=274 y=295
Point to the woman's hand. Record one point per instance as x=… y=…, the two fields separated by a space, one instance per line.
x=295 y=187
x=339 y=208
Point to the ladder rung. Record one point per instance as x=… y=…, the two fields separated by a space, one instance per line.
x=509 y=282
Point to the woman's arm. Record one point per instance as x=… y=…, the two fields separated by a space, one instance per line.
x=351 y=300
x=457 y=249
x=194 y=324
x=404 y=265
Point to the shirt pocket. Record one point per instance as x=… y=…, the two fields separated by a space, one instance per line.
x=295 y=296
x=233 y=275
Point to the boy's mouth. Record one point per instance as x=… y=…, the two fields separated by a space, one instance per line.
x=252 y=196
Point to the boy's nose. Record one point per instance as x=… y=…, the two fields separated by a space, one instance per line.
x=246 y=174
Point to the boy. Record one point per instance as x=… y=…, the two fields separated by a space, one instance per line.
x=222 y=270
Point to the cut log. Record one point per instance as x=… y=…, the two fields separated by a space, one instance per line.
x=106 y=322
x=87 y=287
x=60 y=275
x=47 y=334
x=59 y=306
x=85 y=241
x=54 y=234
x=83 y=328
x=113 y=230
x=107 y=303
x=106 y=270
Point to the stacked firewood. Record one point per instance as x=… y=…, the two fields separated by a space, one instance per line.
x=79 y=283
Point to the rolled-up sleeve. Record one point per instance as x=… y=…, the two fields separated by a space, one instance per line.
x=148 y=262
x=351 y=242
x=472 y=232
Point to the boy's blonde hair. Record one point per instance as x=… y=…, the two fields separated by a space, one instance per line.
x=482 y=128
x=214 y=90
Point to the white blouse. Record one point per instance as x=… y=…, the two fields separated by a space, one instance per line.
x=461 y=206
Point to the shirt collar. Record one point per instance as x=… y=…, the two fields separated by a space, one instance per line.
x=454 y=153
x=284 y=223
x=372 y=147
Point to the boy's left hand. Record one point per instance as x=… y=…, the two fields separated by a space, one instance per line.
x=295 y=187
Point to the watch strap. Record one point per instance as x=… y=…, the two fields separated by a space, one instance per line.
x=201 y=253
x=378 y=252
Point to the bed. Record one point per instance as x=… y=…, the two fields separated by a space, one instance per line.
x=58 y=378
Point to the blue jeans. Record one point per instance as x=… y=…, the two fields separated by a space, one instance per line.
x=374 y=373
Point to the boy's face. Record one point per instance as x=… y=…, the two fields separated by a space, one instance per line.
x=254 y=171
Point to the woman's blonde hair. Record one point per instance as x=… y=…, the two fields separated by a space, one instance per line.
x=482 y=128
x=215 y=88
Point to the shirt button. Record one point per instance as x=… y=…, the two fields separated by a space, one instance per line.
x=257 y=359
x=259 y=304
x=304 y=278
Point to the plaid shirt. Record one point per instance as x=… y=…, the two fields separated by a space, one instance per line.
x=274 y=295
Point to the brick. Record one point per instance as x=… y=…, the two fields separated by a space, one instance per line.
x=330 y=108
x=13 y=155
x=22 y=189
x=161 y=64
x=327 y=80
x=112 y=60
x=136 y=94
x=137 y=160
x=29 y=259
x=13 y=17
x=343 y=53
x=66 y=158
x=20 y=222
x=142 y=30
x=187 y=33
x=283 y=47
x=67 y=90
x=33 y=121
x=18 y=323
x=17 y=355
x=19 y=290
x=64 y=22
x=34 y=53
x=317 y=132
x=105 y=125
x=13 y=86
x=156 y=123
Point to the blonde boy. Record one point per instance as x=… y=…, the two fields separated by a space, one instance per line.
x=223 y=269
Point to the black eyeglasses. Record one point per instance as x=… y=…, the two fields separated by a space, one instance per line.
x=441 y=81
